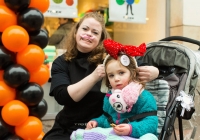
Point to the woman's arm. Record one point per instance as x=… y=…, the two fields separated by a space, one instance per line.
x=78 y=90
x=147 y=73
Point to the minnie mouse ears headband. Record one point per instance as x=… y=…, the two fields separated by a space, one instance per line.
x=114 y=48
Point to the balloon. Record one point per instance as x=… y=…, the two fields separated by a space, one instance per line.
x=7 y=58
x=1 y=75
x=43 y=73
x=30 y=129
x=17 y=5
x=69 y=2
x=7 y=18
x=15 y=113
x=40 y=39
x=39 y=110
x=15 y=38
x=32 y=57
x=7 y=93
x=40 y=136
x=2 y=3
x=16 y=75
x=13 y=137
x=1 y=43
x=120 y=2
x=30 y=94
x=30 y=19
x=42 y=6
x=5 y=129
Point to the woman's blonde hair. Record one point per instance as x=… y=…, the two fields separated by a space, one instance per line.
x=132 y=67
x=98 y=54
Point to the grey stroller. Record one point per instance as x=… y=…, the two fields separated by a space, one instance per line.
x=178 y=71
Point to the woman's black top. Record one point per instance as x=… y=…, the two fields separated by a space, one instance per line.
x=65 y=73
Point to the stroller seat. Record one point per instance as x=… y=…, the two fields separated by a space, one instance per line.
x=178 y=71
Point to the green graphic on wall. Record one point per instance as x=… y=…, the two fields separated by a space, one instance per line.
x=58 y=1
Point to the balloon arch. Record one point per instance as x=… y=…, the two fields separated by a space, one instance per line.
x=22 y=72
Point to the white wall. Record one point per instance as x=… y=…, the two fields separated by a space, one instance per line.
x=153 y=30
x=191 y=12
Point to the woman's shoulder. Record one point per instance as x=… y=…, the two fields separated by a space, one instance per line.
x=59 y=62
x=60 y=59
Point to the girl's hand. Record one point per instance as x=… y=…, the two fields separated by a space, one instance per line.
x=147 y=73
x=91 y=124
x=122 y=129
x=99 y=72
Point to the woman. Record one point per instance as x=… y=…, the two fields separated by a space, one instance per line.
x=76 y=77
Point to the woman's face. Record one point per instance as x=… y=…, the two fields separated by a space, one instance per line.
x=88 y=35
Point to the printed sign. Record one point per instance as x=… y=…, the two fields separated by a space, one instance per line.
x=133 y=11
x=62 y=8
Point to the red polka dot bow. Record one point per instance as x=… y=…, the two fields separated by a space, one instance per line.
x=113 y=48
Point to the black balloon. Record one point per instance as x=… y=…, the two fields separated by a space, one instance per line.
x=30 y=94
x=17 y=5
x=5 y=129
x=30 y=19
x=40 y=39
x=39 y=110
x=1 y=43
x=12 y=137
x=16 y=75
x=7 y=58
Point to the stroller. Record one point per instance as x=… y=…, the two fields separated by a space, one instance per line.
x=178 y=71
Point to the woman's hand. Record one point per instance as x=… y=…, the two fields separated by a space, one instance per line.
x=147 y=73
x=99 y=72
x=91 y=124
x=122 y=129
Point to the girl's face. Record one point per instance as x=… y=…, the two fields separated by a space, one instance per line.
x=118 y=75
x=88 y=35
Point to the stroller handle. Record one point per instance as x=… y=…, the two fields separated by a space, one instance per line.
x=181 y=38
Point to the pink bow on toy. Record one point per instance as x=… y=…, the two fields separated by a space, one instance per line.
x=113 y=48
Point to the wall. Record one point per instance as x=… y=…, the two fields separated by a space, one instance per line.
x=153 y=30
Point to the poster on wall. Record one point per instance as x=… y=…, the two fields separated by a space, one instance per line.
x=133 y=11
x=62 y=8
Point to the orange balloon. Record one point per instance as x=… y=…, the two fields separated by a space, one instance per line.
x=7 y=18
x=69 y=2
x=7 y=93
x=32 y=57
x=2 y=3
x=1 y=75
x=41 y=5
x=39 y=137
x=15 y=112
x=40 y=76
x=30 y=129
x=15 y=38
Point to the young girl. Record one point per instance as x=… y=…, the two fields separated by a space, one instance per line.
x=126 y=100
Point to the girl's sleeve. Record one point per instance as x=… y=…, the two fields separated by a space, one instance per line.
x=148 y=124
x=101 y=121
